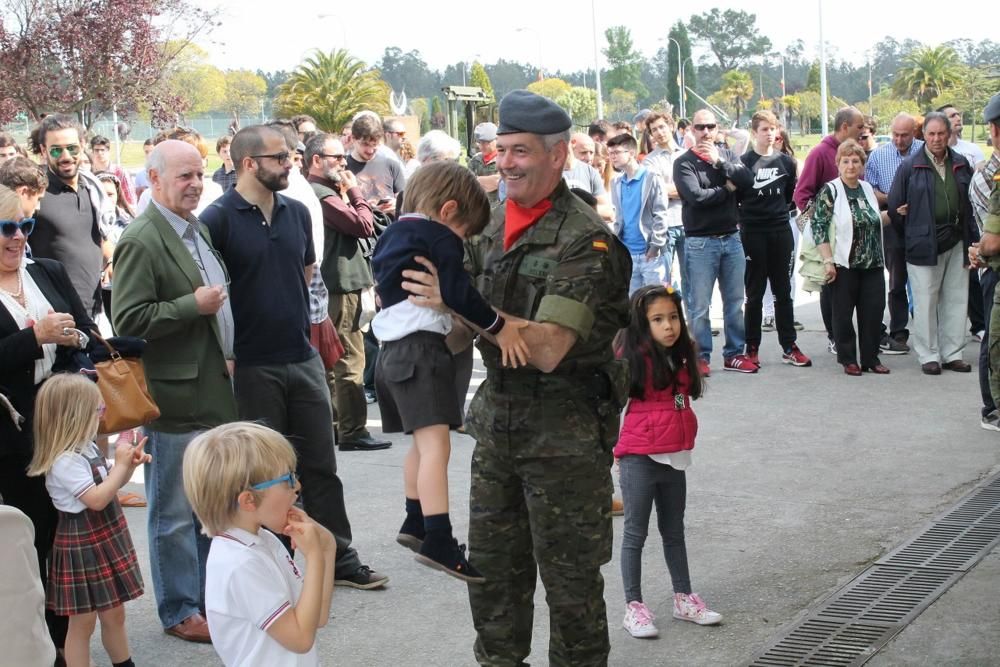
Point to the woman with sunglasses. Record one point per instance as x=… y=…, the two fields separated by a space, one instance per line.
x=40 y=313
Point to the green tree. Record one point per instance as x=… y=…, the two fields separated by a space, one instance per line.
x=244 y=91
x=332 y=87
x=789 y=107
x=622 y=104
x=479 y=77
x=737 y=89
x=580 y=103
x=732 y=36
x=191 y=78
x=438 y=120
x=926 y=71
x=551 y=88
x=813 y=78
x=624 y=62
x=970 y=94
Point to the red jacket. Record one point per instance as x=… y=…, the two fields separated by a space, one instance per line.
x=657 y=424
x=820 y=169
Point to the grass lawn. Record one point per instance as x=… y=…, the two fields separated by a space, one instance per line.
x=134 y=159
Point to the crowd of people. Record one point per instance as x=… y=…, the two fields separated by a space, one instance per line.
x=315 y=273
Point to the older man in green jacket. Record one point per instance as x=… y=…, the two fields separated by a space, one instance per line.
x=171 y=288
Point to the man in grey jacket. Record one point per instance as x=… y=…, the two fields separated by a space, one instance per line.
x=640 y=202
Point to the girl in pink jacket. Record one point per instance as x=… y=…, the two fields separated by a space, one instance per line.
x=654 y=448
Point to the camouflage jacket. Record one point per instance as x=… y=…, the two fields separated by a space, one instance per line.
x=567 y=268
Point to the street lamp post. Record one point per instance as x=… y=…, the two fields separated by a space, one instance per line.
x=822 y=74
x=680 y=77
x=597 y=62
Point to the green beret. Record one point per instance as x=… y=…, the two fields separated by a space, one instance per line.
x=992 y=111
x=522 y=111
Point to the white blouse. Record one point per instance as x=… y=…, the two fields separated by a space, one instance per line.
x=36 y=307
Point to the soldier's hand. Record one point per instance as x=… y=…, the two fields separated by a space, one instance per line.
x=423 y=286
x=513 y=350
x=976 y=257
x=209 y=299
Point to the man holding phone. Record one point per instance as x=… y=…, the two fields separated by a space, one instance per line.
x=379 y=176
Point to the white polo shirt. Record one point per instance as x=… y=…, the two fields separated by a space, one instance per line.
x=251 y=581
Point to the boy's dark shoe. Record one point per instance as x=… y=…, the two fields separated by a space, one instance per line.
x=363 y=578
x=449 y=557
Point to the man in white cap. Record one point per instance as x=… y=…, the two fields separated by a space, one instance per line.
x=484 y=163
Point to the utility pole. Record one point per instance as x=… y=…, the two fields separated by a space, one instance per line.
x=597 y=61
x=680 y=78
x=822 y=74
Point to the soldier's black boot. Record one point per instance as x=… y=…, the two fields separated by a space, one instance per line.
x=442 y=551
x=411 y=533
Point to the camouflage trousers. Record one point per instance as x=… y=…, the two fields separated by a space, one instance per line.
x=540 y=503
x=994 y=348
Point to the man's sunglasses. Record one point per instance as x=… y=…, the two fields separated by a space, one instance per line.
x=9 y=228
x=57 y=151
x=701 y=127
x=287 y=477
x=865 y=137
x=280 y=158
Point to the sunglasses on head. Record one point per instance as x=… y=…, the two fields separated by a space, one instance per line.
x=57 y=151
x=701 y=127
x=9 y=228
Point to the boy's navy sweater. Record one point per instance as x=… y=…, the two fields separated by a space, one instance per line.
x=413 y=236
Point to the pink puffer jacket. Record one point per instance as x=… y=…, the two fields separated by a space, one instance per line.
x=662 y=422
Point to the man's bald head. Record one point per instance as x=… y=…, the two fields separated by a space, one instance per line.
x=904 y=126
x=176 y=173
x=583 y=147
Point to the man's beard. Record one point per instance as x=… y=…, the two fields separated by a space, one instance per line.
x=275 y=182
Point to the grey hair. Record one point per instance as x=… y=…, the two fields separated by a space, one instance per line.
x=550 y=140
x=156 y=160
x=940 y=117
x=437 y=145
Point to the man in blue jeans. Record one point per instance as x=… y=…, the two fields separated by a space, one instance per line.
x=707 y=177
x=640 y=204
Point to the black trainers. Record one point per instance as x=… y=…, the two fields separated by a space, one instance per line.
x=363 y=578
x=449 y=557
x=411 y=534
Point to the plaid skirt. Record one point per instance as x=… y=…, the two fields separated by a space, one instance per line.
x=93 y=566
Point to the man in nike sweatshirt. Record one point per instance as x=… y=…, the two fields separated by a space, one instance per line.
x=767 y=238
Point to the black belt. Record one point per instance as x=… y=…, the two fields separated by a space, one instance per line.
x=593 y=385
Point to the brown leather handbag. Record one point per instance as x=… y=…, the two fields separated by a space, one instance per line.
x=122 y=382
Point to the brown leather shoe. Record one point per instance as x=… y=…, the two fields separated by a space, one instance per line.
x=878 y=369
x=852 y=369
x=931 y=368
x=191 y=629
x=957 y=365
x=617 y=507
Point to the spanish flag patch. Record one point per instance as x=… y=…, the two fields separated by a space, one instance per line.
x=600 y=245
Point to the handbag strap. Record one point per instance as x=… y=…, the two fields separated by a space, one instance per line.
x=112 y=352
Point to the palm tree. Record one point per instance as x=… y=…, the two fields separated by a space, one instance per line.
x=789 y=107
x=332 y=87
x=737 y=89
x=926 y=71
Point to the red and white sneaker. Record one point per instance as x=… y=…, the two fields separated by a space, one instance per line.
x=753 y=354
x=795 y=357
x=703 y=367
x=692 y=608
x=740 y=363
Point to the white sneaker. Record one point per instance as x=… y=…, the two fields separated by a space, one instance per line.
x=991 y=422
x=692 y=608
x=639 y=621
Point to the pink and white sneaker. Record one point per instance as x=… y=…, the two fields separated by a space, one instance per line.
x=639 y=621
x=692 y=608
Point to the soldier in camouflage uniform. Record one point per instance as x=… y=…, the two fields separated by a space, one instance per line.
x=987 y=251
x=541 y=486
x=484 y=163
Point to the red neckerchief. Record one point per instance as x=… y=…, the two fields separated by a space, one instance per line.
x=703 y=156
x=519 y=218
x=489 y=157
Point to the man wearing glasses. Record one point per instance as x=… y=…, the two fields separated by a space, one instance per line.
x=349 y=238
x=75 y=215
x=171 y=288
x=266 y=241
x=380 y=175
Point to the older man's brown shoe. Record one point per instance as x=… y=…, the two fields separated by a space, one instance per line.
x=958 y=366
x=191 y=629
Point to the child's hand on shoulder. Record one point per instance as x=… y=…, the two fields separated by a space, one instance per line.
x=306 y=534
x=514 y=351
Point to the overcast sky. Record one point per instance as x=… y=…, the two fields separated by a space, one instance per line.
x=254 y=36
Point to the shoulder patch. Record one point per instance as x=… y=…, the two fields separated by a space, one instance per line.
x=600 y=246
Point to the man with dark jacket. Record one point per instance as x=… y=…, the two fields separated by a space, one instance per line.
x=707 y=178
x=930 y=210
x=349 y=237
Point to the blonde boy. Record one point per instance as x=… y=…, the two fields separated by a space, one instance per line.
x=261 y=608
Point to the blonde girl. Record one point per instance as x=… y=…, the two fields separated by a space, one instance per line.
x=93 y=568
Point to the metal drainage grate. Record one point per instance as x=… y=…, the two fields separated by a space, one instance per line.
x=851 y=625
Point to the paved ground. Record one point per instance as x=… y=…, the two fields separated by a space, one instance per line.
x=802 y=477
